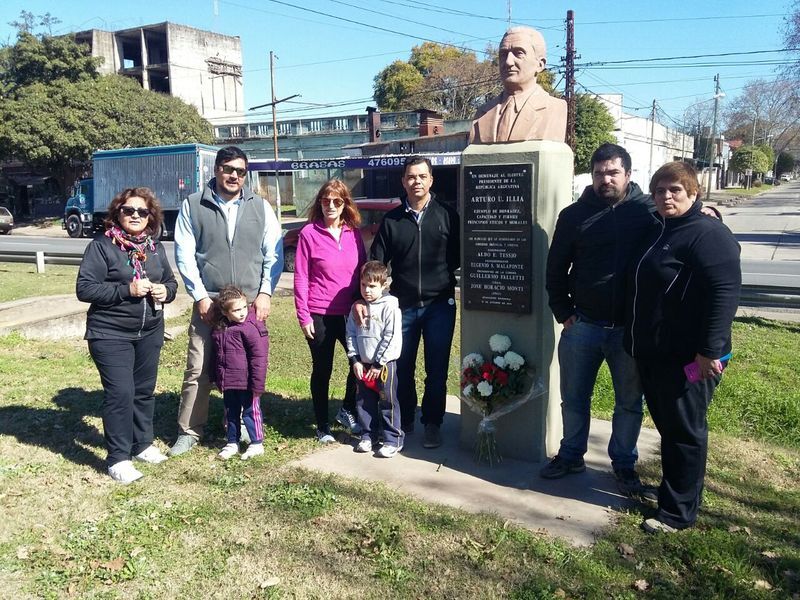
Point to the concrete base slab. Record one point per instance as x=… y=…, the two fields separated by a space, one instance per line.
x=574 y=508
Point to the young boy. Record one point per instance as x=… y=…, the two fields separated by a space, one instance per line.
x=373 y=350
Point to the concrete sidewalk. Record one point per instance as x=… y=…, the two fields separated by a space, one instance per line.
x=574 y=508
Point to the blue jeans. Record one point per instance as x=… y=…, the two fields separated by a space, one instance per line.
x=581 y=351
x=434 y=323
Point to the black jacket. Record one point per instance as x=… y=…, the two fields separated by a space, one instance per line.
x=592 y=245
x=684 y=290
x=104 y=278
x=423 y=257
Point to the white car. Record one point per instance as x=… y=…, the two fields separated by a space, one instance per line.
x=6 y=220
x=785 y=177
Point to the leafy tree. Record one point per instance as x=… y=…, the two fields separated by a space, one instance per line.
x=785 y=163
x=44 y=60
x=55 y=110
x=768 y=152
x=449 y=80
x=750 y=157
x=593 y=127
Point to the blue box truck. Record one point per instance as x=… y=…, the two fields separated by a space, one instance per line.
x=172 y=172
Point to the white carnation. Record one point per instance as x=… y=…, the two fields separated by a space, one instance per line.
x=499 y=343
x=514 y=360
x=468 y=389
x=500 y=362
x=473 y=361
x=485 y=388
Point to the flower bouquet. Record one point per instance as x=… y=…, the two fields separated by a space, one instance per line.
x=493 y=388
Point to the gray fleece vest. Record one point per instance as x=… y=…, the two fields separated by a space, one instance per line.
x=219 y=262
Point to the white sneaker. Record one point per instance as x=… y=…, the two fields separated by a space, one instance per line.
x=228 y=451
x=151 y=455
x=387 y=451
x=364 y=446
x=124 y=472
x=253 y=450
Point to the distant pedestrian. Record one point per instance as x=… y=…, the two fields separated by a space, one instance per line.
x=241 y=350
x=224 y=235
x=420 y=241
x=373 y=349
x=127 y=278
x=330 y=253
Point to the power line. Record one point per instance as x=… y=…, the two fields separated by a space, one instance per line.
x=681 y=19
x=663 y=58
x=405 y=19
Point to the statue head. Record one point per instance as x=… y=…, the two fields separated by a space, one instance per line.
x=522 y=56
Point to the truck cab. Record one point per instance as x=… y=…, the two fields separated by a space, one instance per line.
x=79 y=208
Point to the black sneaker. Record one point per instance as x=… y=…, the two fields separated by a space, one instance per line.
x=630 y=485
x=433 y=436
x=559 y=467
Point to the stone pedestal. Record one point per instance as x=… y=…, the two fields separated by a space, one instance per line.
x=511 y=197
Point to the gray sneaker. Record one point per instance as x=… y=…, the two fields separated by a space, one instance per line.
x=559 y=467
x=182 y=445
x=432 y=437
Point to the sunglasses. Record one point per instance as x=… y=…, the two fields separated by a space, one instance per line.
x=227 y=169
x=129 y=211
x=337 y=202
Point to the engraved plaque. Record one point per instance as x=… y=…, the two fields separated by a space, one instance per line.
x=497 y=271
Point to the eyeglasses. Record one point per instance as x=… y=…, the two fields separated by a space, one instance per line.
x=337 y=202
x=129 y=211
x=227 y=169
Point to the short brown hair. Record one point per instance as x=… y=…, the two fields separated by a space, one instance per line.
x=146 y=194
x=350 y=214
x=678 y=171
x=374 y=270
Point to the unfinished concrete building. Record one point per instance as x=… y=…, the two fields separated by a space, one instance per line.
x=200 y=67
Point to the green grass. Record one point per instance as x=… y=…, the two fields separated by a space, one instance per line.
x=201 y=528
x=753 y=191
x=20 y=280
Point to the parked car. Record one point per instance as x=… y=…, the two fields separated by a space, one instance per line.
x=6 y=221
x=372 y=211
x=785 y=177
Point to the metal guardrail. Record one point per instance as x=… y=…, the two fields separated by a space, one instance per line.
x=752 y=295
x=41 y=258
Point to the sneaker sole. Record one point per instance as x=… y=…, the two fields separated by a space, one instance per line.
x=570 y=471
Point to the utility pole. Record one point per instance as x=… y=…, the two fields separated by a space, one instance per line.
x=652 y=138
x=273 y=104
x=275 y=133
x=508 y=4
x=569 y=79
x=713 y=135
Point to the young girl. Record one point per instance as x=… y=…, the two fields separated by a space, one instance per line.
x=241 y=346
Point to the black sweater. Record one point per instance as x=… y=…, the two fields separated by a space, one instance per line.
x=592 y=246
x=684 y=291
x=423 y=257
x=104 y=278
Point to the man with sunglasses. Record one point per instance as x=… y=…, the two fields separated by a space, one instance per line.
x=224 y=235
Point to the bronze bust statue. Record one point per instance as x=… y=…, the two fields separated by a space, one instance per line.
x=524 y=111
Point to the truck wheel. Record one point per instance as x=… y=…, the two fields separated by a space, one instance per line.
x=74 y=226
x=288 y=259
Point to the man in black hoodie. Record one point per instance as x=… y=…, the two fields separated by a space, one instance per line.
x=592 y=245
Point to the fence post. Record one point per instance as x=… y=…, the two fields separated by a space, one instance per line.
x=39 y=261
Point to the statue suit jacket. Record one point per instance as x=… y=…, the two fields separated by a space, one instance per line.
x=542 y=117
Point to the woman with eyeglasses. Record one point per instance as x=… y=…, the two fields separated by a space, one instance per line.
x=330 y=253
x=126 y=277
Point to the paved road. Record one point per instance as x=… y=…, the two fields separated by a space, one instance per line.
x=767 y=227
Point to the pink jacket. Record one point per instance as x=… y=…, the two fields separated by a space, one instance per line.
x=326 y=271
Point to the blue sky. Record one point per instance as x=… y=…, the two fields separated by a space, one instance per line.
x=333 y=59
